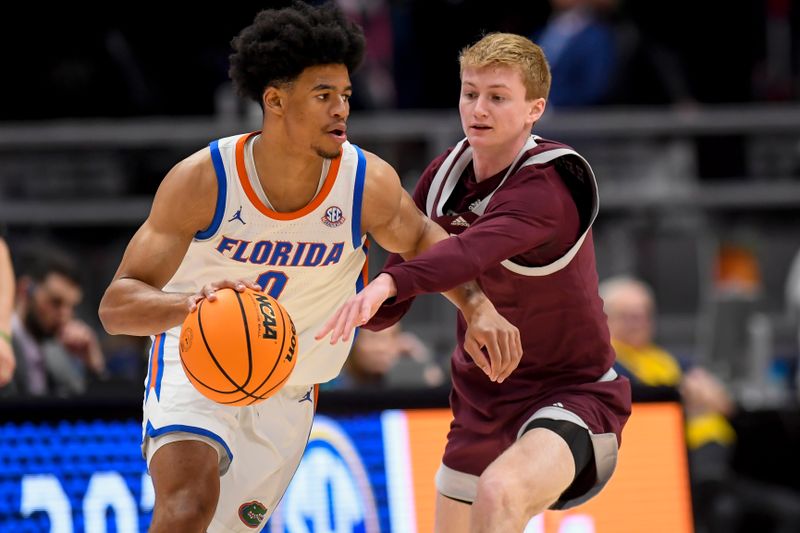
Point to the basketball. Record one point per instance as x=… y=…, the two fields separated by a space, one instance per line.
x=239 y=349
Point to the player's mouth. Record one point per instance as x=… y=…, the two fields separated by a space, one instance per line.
x=338 y=132
x=480 y=127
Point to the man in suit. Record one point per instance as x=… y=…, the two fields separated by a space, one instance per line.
x=55 y=352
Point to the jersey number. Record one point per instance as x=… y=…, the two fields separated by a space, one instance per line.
x=273 y=281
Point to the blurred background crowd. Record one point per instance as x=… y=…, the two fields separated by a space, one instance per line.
x=687 y=111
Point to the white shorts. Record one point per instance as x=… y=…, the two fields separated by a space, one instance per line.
x=259 y=446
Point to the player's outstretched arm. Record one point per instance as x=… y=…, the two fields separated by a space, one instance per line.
x=134 y=303
x=390 y=216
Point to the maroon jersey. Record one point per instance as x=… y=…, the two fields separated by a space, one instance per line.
x=525 y=236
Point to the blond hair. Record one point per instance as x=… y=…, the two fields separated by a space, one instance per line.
x=514 y=51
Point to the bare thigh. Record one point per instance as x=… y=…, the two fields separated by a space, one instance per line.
x=186 y=482
x=451 y=516
x=523 y=481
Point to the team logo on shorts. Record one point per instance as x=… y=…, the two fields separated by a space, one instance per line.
x=252 y=513
x=333 y=217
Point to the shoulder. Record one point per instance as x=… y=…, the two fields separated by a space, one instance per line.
x=534 y=192
x=383 y=193
x=188 y=194
x=382 y=180
x=196 y=171
x=377 y=168
x=540 y=177
x=552 y=162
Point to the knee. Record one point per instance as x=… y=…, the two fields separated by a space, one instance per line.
x=495 y=492
x=188 y=508
x=502 y=492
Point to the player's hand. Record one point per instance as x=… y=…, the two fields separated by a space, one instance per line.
x=207 y=291
x=493 y=342
x=7 y=362
x=81 y=341
x=359 y=309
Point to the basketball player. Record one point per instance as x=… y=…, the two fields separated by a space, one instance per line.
x=520 y=208
x=285 y=209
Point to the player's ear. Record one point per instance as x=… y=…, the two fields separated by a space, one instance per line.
x=273 y=100
x=536 y=109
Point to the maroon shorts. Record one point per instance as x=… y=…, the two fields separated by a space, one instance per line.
x=484 y=426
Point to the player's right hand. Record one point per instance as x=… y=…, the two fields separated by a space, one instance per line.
x=357 y=310
x=208 y=290
x=493 y=342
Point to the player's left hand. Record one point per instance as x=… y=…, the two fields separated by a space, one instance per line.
x=486 y=328
x=358 y=309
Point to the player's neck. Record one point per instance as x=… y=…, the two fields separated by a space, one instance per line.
x=488 y=161
x=289 y=178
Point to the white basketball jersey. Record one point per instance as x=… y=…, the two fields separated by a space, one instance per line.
x=311 y=260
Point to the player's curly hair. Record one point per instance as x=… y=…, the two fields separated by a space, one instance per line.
x=281 y=43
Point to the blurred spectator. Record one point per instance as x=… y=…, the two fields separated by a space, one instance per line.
x=580 y=47
x=600 y=55
x=388 y=358
x=630 y=307
x=56 y=353
x=7 y=362
x=723 y=501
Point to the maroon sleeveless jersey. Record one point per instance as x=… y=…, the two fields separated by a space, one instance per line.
x=534 y=215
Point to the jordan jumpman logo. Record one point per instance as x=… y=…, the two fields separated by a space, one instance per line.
x=238 y=216
x=307 y=397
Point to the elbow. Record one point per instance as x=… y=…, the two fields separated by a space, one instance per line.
x=108 y=317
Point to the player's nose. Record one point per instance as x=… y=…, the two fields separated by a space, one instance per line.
x=341 y=109
x=480 y=109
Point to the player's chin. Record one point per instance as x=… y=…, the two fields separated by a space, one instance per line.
x=482 y=139
x=327 y=152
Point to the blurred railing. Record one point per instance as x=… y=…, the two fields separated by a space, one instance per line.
x=609 y=130
x=660 y=218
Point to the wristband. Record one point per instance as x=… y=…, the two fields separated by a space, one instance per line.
x=5 y=336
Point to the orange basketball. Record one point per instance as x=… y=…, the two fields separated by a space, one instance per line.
x=239 y=349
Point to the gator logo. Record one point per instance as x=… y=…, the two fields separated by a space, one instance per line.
x=252 y=513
